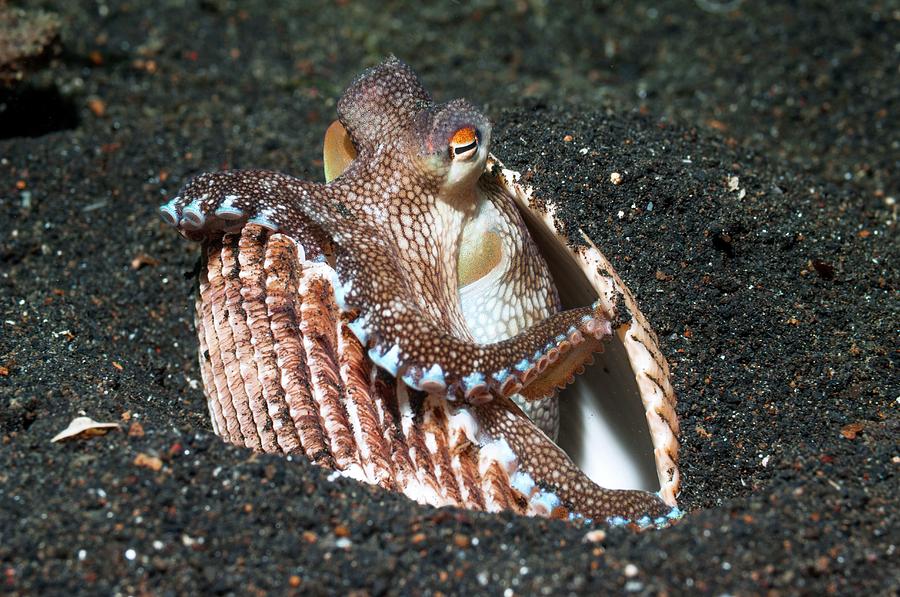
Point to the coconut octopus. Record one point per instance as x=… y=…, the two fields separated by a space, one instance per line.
x=402 y=323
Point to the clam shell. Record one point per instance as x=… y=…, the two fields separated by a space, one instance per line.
x=283 y=373
x=81 y=427
x=634 y=338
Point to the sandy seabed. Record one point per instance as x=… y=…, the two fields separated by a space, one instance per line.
x=754 y=221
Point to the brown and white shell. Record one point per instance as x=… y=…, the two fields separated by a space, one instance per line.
x=283 y=373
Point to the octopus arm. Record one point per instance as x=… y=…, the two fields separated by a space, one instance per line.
x=553 y=479
x=401 y=337
x=409 y=343
x=216 y=203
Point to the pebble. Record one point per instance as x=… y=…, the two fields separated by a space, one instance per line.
x=595 y=536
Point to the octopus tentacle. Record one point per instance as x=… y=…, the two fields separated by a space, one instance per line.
x=407 y=343
x=402 y=339
x=542 y=464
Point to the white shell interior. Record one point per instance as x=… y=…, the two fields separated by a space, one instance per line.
x=603 y=425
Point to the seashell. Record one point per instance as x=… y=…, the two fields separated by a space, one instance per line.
x=284 y=373
x=409 y=322
x=631 y=372
x=83 y=427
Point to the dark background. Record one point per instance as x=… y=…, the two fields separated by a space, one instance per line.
x=775 y=300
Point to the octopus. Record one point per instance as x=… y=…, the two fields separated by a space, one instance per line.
x=401 y=324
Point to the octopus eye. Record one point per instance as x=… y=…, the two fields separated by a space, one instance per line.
x=464 y=144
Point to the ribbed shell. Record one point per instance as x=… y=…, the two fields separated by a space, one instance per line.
x=283 y=373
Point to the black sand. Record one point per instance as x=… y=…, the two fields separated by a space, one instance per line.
x=766 y=140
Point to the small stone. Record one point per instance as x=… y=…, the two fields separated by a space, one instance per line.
x=851 y=430
x=294 y=581
x=154 y=463
x=461 y=541
x=97 y=106
x=595 y=536
x=568 y=138
x=136 y=430
x=663 y=276
x=631 y=570
x=615 y=178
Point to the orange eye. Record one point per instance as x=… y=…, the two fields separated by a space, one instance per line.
x=464 y=144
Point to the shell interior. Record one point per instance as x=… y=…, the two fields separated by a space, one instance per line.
x=617 y=421
x=602 y=422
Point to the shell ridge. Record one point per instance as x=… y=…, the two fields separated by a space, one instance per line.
x=318 y=328
x=462 y=431
x=230 y=315
x=284 y=310
x=466 y=470
x=250 y=289
x=215 y=384
x=201 y=311
x=373 y=450
x=281 y=266
x=418 y=452
x=434 y=421
x=255 y=272
x=220 y=346
x=395 y=441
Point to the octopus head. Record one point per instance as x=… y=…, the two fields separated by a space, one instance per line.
x=453 y=139
x=387 y=112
